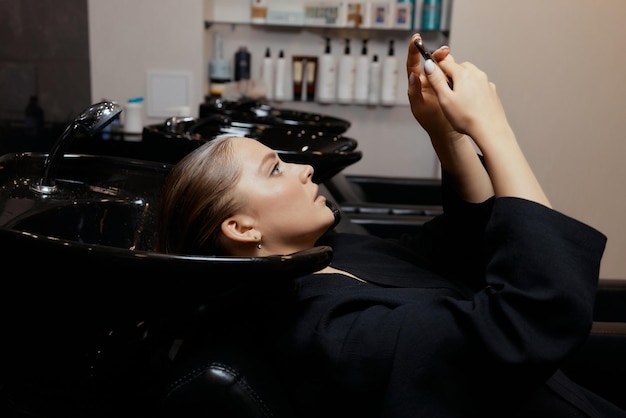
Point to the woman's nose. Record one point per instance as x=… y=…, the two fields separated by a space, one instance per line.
x=306 y=172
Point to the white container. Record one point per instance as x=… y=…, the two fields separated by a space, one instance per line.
x=280 y=92
x=267 y=74
x=345 y=76
x=361 y=79
x=327 y=76
x=133 y=117
x=389 y=78
x=373 y=89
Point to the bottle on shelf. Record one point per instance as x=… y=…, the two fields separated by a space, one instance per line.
x=373 y=88
x=361 y=78
x=389 y=78
x=258 y=11
x=219 y=68
x=431 y=15
x=242 y=64
x=280 y=93
x=327 y=76
x=267 y=74
x=345 y=76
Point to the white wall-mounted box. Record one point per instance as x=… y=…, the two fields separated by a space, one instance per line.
x=169 y=93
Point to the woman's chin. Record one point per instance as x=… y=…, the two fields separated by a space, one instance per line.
x=336 y=212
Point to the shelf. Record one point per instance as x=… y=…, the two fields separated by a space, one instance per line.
x=340 y=32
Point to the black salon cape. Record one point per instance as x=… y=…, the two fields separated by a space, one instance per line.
x=472 y=321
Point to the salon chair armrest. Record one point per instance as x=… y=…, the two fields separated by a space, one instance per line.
x=383 y=219
x=355 y=189
x=369 y=208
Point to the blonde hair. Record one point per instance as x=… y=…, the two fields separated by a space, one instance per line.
x=197 y=196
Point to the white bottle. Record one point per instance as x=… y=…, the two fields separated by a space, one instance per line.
x=327 y=76
x=345 y=76
x=133 y=126
x=361 y=78
x=373 y=88
x=267 y=74
x=279 y=82
x=389 y=78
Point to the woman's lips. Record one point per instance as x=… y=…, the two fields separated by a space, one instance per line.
x=320 y=199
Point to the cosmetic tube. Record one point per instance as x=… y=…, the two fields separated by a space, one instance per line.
x=310 y=70
x=297 y=68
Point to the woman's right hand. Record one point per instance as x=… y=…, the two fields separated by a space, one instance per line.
x=473 y=106
x=454 y=149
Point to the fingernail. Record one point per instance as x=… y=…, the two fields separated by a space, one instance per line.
x=411 y=79
x=429 y=66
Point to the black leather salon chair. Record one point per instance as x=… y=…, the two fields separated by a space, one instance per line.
x=238 y=382
x=230 y=380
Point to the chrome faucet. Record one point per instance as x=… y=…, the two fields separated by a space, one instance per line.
x=91 y=120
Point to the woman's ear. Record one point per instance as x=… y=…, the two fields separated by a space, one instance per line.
x=240 y=228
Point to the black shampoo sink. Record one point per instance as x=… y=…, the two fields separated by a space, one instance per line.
x=118 y=223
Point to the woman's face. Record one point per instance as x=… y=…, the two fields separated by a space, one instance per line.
x=281 y=198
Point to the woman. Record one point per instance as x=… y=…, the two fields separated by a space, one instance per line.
x=473 y=321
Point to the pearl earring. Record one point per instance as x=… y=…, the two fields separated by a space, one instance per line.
x=259 y=246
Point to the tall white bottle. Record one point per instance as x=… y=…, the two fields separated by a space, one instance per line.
x=373 y=89
x=267 y=74
x=327 y=76
x=345 y=76
x=389 y=78
x=361 y=78
x=280 y=91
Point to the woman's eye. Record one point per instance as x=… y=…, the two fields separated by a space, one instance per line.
x=276 y=169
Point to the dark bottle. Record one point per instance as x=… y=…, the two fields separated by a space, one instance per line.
x=34 y=115
x=242 y=64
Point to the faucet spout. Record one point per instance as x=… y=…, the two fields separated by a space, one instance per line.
x=91 y=120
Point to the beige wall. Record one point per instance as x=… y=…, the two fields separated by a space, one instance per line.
x=128 y=38
x=560 y=68
x=558 y=64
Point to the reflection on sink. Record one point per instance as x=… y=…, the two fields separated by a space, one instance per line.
x=111 y=222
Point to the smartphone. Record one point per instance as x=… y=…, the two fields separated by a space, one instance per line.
x=419 y=43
